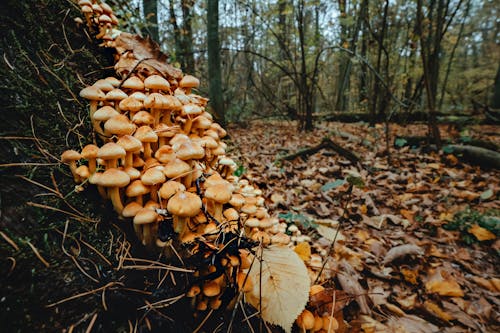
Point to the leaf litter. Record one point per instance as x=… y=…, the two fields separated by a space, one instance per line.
x=396 y=265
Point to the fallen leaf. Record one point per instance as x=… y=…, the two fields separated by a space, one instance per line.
x=486 y=194
x=348 y=279
x=435 y=310
x=330 y=233
x=481 y=233
x=400 y=251
x=285 y=285
x=410 y=324
x=303 y=250
x=410 y=275
x=443 y=284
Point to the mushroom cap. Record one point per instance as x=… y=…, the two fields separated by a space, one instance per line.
x=110 y=151
x=89 y=151
x=84 y=3
x=130 y=143
x=114 y=178
x=153 y=176
x=106 y=8
x=218 y=128
x=237 y=200
x=87 y=9
x=104 y=18
x=138 y=95
x=113 y=80
x=119 y=125
x=209 y=142
x=92 y=93
x=191 y=109
x=176 y=168
x=96 y=8
x=104 y=113
x=172 y=103
x=252 y=222
x=163 y=130
x=211 y=288
x=178 y=139
x=248 y=209
x=184 y=204
x=83 y=171
x=220 y=193
x=231 y=214
x=136 y=188
x=165 y=154
x=131 y=104
x=146 y=134
x=132 y=172
x=104 y=85
x=70 y=156
x=169 y=188
x=145 y=216
x=151 y=163
x=280 y=238
x=156 y=82
x=116 y=95
x=155 y=101
x=133 y=83
x=213 y=179
x=189 y=81
x=143 y=118
x=131 y=209
x=201 y=122
x=190 y=151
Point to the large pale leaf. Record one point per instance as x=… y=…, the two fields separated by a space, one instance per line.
x=285 y=285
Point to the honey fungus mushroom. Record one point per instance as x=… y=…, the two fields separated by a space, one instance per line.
x=183 y=205
x=114 y=179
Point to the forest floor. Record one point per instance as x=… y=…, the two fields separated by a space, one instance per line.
x=416 y=239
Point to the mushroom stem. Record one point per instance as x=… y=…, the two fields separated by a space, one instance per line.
x=147 y=150
x=129 y=159
x=218 y=211
x=188 y=124
x=166 y=118
x=92 y=165
x=114 y=195
x=180 y=224
x=154 y=192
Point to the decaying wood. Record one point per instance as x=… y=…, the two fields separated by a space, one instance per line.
x=477 y=155
x=326 y=143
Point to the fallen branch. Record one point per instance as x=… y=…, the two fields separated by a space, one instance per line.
x=477 y=155
x=326 y=143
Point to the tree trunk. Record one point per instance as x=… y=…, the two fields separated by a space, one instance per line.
x=495 y=101
x=187 y=37
x=150 y=8
x=214 y=68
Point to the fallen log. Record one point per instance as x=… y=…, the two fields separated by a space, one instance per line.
x=476 y=155
x=326 y=143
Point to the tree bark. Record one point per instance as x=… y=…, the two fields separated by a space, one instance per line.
x=214 y=68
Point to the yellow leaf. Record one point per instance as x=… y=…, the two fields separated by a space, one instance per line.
x=443 y=284
x=285 y=285
x=303 y=250
x=410 y=275
x=481 y=233
x=437 y=311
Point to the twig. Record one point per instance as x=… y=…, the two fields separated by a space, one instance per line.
x=38 y=255
x=91 y=324
x=197 y=329
x=108 y=285
x=9 y=240
x=34 y=204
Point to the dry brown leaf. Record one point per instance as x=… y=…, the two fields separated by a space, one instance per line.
x=324 y=300
x=348 y=279
x=442 y=283
x=410 y=324
x=330 y=233
x=400 y=251
x=370 y=325
x=410 y=275
x=285 y=285
x=481 y=233
x=435 y=310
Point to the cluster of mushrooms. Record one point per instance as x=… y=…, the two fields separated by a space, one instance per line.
x=99 y=14
x=162 y=164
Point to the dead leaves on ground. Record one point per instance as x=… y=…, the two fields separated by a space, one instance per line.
x=394 y=268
